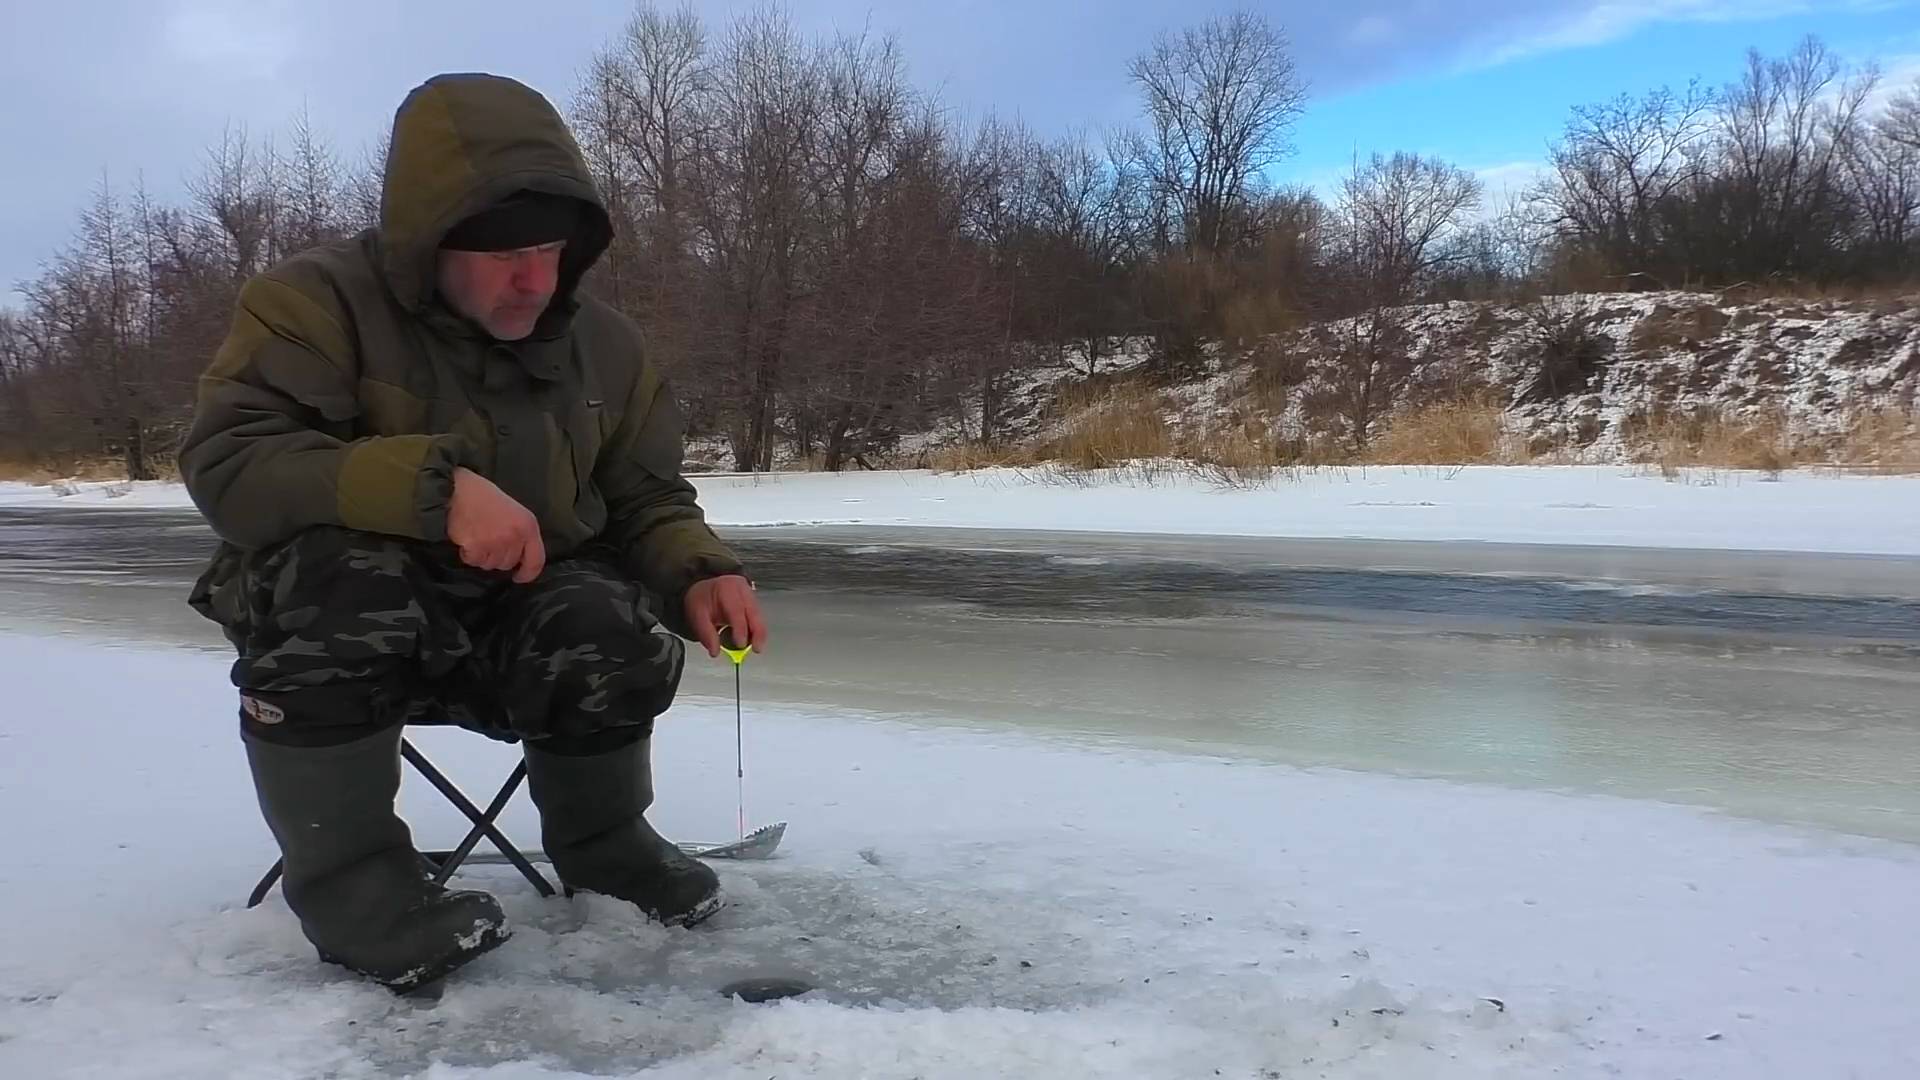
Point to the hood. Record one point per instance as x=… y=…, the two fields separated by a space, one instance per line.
x=460 y=143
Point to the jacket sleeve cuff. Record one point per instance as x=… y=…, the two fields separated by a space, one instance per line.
x=709 y=559
x=401 y=485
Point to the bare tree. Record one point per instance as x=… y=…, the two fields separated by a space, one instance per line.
x=1901 y=122
x=361 y=186
x=1395 y=215
x=1363 y=366
x=659 y=91
x=1522 y=239
x=1220 y=99
x=851 y=355
x=997 y=193
x=91 y=307
x=238 y=197
x=1882 y=179
x=755 y=211
x=18 y=423
x=642 y=119
x=1503 y=256
x=310 y=189
x=1085 y=238
x=1776 y=206
x=782 y=206
x=1394 y=224
x=1618 y=165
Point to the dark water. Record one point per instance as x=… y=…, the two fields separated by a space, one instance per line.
x=166 y=549
x=1121 y=587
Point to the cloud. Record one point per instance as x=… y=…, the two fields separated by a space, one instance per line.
x=1502 y=184
x=1509 y=176
x=1590 y=24
x=1899 y=74
x=1373 y=30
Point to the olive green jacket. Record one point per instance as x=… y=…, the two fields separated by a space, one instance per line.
x=345 y=393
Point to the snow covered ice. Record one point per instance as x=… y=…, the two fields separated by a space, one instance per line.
x=976 y=903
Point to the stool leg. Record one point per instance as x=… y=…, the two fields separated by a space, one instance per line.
x=482 y=822
x=266 y=885
x=459 y=854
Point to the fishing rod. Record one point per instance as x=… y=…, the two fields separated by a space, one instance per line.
x=738 y=654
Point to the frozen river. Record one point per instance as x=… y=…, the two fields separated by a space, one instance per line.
x=1776 y=686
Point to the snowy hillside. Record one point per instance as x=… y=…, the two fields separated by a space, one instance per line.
x=1819 y=362
x=1812 y=369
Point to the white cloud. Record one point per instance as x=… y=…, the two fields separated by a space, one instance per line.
x=1508 y=176
x=1898 y=75
x=1373 y=30
x=1612 y=20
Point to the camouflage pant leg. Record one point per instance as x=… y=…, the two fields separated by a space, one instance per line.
x=338 y=632
x=342 y=632
x=576 y=652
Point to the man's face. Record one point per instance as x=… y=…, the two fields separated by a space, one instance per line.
x=504 y=291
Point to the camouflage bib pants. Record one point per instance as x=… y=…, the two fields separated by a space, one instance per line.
x=342 y=633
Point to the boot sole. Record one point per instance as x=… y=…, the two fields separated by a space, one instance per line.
x=701 y=912
x=424 y=979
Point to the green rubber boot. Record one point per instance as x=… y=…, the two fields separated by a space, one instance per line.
x=350 y=871
x=593 y=828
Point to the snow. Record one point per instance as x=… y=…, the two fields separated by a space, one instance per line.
x=1599 y=505
x=977 y=902
x=1815 y=363
x=1588 y=505
x=144 y=494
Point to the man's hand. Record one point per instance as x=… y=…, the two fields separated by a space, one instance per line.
x=492 y=531
x=726 y=601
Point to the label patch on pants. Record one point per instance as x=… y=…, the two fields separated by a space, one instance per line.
x=260 y=711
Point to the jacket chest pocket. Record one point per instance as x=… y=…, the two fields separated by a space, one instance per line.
x=584 y=437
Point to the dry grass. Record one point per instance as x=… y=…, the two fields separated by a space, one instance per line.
x=1103 y=429
x=15 y=470
x=1240 y=455
x=1880 y=440
x=1709 y=439
x=20 y=469
x=1245 y=446
x=1889 y=293
x=968 y=456
x=1460 y=432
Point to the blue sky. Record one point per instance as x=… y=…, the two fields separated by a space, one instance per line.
x=1500 y=117
x=143 y=87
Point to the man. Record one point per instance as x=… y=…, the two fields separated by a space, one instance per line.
x=447 y=488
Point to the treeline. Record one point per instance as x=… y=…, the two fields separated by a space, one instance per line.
x=826 y=259
x=102 y=356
